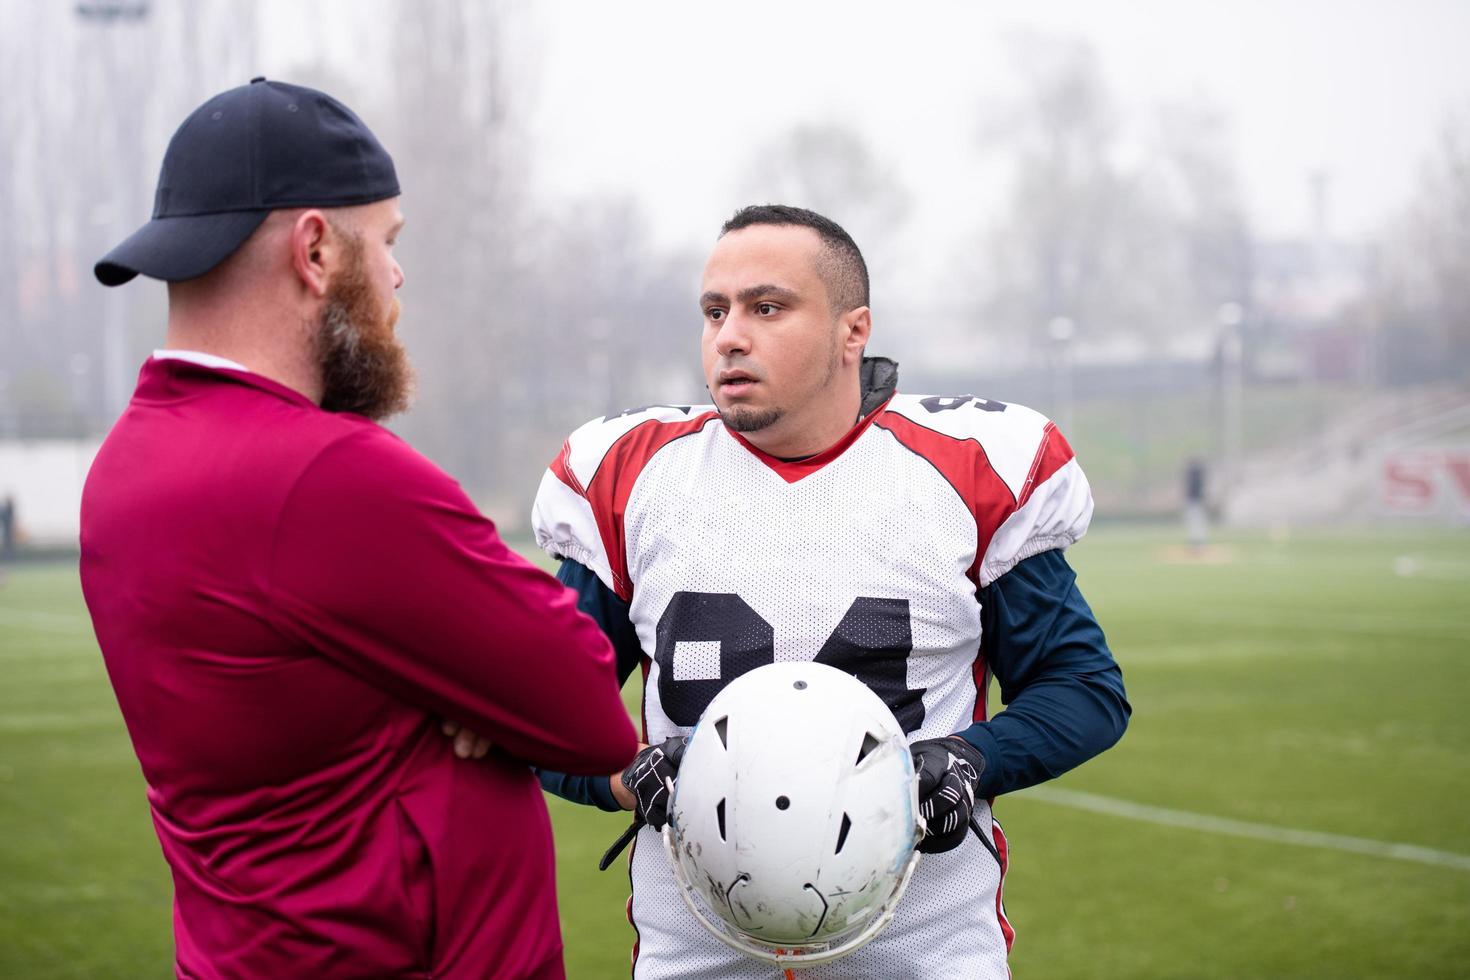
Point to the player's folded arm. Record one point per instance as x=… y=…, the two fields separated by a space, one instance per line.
x=610 y=613
x=1062 y=687
x=383 y=564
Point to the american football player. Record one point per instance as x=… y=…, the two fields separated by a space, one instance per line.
x=815 y=512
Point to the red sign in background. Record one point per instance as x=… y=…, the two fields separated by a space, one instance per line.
x=1426 y=482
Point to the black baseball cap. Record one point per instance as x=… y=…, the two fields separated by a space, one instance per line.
x=237 y=158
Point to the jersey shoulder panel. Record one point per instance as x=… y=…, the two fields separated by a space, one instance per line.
x=579 y=506
x=618 y=435
x=1016 y=472
x=1007 y=434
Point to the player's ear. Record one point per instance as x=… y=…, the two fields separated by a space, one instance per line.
x=311 y=241
x=856 y=327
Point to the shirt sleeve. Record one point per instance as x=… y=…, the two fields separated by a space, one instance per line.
x=382 y=564
x=1062 y=687
x=611 y=614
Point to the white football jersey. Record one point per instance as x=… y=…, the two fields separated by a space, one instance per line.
x=867 y=557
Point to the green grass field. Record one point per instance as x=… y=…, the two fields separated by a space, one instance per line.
x=1314 y=684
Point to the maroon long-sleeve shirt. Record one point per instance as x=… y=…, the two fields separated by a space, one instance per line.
x=287 y=600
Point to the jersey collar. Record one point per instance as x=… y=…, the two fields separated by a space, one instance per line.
x=792 y=470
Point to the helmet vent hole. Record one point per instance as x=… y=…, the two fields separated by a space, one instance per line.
x=721 y=728
x=800 y=685
x=869 y=744
x=720 y=816
x=842 y=834
x=782 y=803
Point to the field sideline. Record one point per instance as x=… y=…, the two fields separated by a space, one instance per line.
x=1290 y=800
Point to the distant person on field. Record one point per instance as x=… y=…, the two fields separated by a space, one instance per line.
x=288 y=596
x=1196 y=515
x=7 y=528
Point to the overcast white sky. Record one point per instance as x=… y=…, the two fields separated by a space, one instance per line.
x=668 y=99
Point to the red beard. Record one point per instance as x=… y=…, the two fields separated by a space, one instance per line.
x=364 y=367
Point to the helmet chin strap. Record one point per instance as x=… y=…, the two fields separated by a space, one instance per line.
x=789 y=954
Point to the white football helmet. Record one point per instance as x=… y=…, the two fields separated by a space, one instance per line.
x=795 y=815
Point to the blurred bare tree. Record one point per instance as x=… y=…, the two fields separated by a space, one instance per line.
x=1420 y=307
x=831 y=169
x=522 y=324
x=601 y=322
x=621 y=321
x=1128 y=238
x=452 y=126
x=87 y=100
x=1202 y=193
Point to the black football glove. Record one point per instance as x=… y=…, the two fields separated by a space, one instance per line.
x=949 y=774
x=651 y=781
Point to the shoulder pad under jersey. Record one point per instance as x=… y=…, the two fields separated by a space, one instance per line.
x=1015 y=471
x=578 y=508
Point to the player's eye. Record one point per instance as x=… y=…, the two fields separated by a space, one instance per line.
x=714 y=314
x=766 y=309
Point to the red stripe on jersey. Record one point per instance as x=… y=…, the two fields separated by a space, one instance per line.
x=964 y=464
x=611 y=485
x=982 y=682
x=563 y=471
x=1003 y=849
x=792 y=470
x=643 y=701
x=1051 y=455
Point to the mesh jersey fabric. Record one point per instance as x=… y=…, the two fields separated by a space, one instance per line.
x=870 y=561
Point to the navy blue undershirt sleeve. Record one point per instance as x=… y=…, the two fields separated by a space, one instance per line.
x=1062 y=688
x=611 y=613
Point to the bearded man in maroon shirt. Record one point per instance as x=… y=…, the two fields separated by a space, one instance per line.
x=288 y=596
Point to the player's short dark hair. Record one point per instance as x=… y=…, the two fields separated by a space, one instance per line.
x=840 y=263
